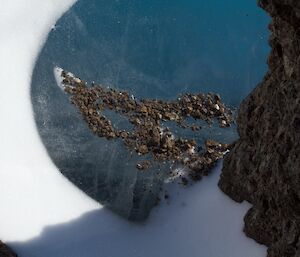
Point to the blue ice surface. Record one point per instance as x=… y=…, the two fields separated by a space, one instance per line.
x=153 y=49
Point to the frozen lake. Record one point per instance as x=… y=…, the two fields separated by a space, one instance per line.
x=152 y=49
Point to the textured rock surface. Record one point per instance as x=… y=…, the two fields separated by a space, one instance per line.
x=264 y=165
x=5 y=251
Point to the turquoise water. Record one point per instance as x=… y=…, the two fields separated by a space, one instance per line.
x=153 y=48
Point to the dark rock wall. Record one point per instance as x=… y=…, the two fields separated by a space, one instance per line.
x=264 y=164
x=5 y=251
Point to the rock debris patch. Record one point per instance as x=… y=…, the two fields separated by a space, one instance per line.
x=149 y=137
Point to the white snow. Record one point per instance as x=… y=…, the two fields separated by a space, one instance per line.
x=32 y=191
x=42 y=214
x=57 y=71
x=59 y=79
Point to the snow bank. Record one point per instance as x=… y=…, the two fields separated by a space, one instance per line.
x=50 y=217
x=32 y=191
x=198 y=221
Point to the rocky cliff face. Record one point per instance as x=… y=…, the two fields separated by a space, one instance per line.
x=5 y=251
x=264 y=165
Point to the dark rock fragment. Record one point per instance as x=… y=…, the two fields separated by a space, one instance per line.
x=144 y=165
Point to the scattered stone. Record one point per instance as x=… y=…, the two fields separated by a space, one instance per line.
x=144 y=165
x=195 y=128
x=143 y=149
x=184 y=181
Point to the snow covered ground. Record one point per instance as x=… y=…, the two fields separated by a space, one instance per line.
x=42 y=214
